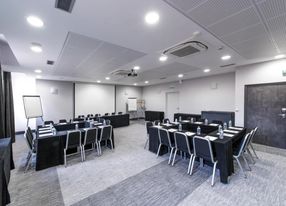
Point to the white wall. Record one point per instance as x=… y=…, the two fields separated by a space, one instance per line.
x=22 y=85
x=94 y=98
x=125 y=92
x=267 y=72
x=195 y=95
x=58 y=105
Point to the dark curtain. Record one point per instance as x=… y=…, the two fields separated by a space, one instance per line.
x=2 y=108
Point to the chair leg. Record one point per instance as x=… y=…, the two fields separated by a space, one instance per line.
x=190 y=163
x=192 y=166
x=170 y=157
x=146 y=143
x=214 y=170
x=65 y=157
x=97 y=148
x=111 y=144
x=81 y=153
x=27 y=165
x=246 y=163
x=253 y=150
x=240 y=166
x=251 y=157
x=158 y=151
x=174 y=156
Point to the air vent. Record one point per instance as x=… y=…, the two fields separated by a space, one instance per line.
x=66 y=5
x=186 y=48
x=227 y=65
x=50 y=62
x=162 y=78
x=125 y=73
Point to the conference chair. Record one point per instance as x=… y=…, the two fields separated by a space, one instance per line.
x=73 y=141
x=148 y=125
x=239 y=152
x=113 y=113
x=217 y=122
x=90 y=137
x=80 y=116
x=182 y=144
x=30 y=143
x=164 y=139
x=157 y=122
x=62 y=121
x=97 y=115
x=106 y=114
x=203 y=149
x=250 y=142
x=48 y=122
x=105 y=135
x=120 y=113
x=166 y=120
x=89 y=115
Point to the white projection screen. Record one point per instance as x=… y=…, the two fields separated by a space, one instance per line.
x=132 y=104
x=32 y=106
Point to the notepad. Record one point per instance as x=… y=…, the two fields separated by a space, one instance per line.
x=236 y=128
x=231 y=131
x=167 y=125
x=157 y=126
x=45 y=131
x=197 y=122
x=46 y=134
x=212 y=124
x=190 y=133
x=211 y=138
x=172 y=130
x=186 y=121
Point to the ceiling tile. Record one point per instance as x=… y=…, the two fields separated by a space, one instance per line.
x=185 y=5
x=272 y=8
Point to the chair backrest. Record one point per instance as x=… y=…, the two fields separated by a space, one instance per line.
x=203 y=148
x=48 y=122
x=80 y=116
x=164 y=137
x=182 y=142
x=62 y=121
x=73 y=139
x=217 y=122
x=29 y=139
x=106 y=114
x=244 y=143
x=254 y=133
x=113 y=113
x=96 y=115
x=120 y=113
x=166 y=120
x=157 y=122
x=148 y=125
x=107 y=122
x=90 y=136
x=106 y=132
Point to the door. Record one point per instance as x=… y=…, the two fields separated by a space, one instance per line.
x=172 y=104
x=265 y=107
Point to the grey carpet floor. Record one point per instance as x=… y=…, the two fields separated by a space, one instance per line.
x=133 y=176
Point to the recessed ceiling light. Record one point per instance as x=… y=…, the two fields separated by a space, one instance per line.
x=226 y=57
x=180 y=75
x=35 y=21
x=98 y=81
x=136 y=68
x=38 y=76
x=38 y=71
x=35 y=47
x=163 y=58
x=146 y=82
x=135 y=84
x=152 y=17
x=279 y=56
x=207 y=70
x=107 y=78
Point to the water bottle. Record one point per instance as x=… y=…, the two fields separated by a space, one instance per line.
x=104 y=122
x=54 y=131
x=206 y=122
x=219 y=128
x=76 y=126
x=168 y=122
x=230 y=123
x=192 y=120
x=198 y=130
x=180 y=127
x=176 y=120
x=221 y=134
x=180 y=118
x=224 y=126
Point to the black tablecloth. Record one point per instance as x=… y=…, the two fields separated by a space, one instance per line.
x=50 y=149
x=119 y=120
x=5 y=167
x=154 y=115
x=223 y=148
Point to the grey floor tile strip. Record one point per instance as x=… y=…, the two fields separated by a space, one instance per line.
x=158 y=185
x=270 y=150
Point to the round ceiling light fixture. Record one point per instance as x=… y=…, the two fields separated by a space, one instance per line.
x=152 y=18
x=35 y=21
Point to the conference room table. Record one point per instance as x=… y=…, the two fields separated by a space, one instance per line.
x=50 y=148
x=223 y=148
x=154 y=115
x=118 y=120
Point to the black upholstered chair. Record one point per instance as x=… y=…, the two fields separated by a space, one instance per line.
x=113 y=113
x=182 y=144
x=105 y=135
x=73 y=140
x=203 y=149
x=120 y=113
x=80 y=116
x=157 y=122
x=106 y=114
x=48 y=122
x=250 y=143
x=148 y=125
x=90 y=137
x=164 y=139
x=166 y=120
